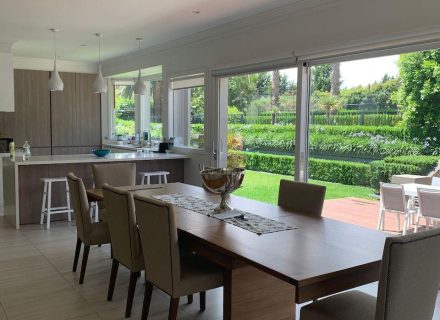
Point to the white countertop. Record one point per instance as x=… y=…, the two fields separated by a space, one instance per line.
x=88 y=158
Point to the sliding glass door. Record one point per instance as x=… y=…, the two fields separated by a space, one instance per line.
x=258 y=116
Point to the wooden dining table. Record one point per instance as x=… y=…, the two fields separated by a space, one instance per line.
x=265 y=275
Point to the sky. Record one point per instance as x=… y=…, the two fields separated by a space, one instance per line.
x=361 y=72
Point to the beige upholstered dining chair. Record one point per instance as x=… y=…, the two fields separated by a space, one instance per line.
x=175 y=274
x=87 y=232
x=126 y=246
x=429 y=206
x=408 y=285
x=393 y=199
x=114 y=174
x=301 y=197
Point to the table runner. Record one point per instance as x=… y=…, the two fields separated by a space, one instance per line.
x=245 y=220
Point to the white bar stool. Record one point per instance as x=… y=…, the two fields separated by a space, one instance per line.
x=160 y=174
x=46 y=207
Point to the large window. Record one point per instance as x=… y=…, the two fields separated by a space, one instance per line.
x=155 y=106
x=188 y=112
x=135 y=115
x=261 y=130
x=124 y=110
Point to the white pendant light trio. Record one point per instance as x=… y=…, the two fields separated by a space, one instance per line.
x=100 y=84
x=140 y=87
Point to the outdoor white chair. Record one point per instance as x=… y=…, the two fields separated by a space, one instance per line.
x=429 y=206
x=435 y=181
x=392 y=199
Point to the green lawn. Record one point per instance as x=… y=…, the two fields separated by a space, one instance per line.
x=263 y=186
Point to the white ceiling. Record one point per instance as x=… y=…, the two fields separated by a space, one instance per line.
x=25 y=23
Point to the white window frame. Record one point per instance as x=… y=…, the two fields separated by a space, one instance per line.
x=142 y=106
x=180 y=82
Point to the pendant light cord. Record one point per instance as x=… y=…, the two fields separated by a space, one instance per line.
x=54 y=46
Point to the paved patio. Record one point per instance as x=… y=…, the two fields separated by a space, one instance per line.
x=361 y=212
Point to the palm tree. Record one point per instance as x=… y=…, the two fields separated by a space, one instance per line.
x=327 y=102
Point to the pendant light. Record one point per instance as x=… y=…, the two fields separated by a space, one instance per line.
x=139 y=86
x=100 y=85
x=55 y=82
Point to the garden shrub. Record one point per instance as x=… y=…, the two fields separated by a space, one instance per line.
x=426 y=164
x=345 y=172
x=382 y=171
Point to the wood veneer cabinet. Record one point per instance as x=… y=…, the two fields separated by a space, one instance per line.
x=54 y=122
x=76 y=114
x=32 y=108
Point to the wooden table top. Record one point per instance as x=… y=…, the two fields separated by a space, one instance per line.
x=317 y=250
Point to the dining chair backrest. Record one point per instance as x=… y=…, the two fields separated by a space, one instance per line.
x=80 y=206
x=159 y=241
x=122 y=225
x=301 y=197
x=435 y=181
x=392 y=197
x=429 y=202
x=114 y=174
x=409 y=277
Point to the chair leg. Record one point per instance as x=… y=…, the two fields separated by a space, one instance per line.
x=190 y=298
x=77 y=251
x=174 y=307
x=69 y=215
x=44 y=203
x=406 y=224
x=131 y=289
x=84 y=263
x=147 y=299
x=398 y=221
x=49 y=205
x=113 y=275
x=416 y=229
x=203 y=300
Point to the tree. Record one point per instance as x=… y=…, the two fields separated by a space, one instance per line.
x=419 y=94
x=276 y=89
x=336 y=79
x=327 y=103
x=321 y=78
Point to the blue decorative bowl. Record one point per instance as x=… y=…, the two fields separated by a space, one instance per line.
x=101 y=152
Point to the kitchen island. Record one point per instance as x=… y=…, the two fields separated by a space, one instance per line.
x=22 y=188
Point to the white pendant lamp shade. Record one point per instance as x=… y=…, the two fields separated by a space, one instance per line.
x=55 y=82
x=140 y=87
x=100 y=84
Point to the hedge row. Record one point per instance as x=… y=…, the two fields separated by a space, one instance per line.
x=330 y=144
x=385 y=131
x=351 y=173
x=345 y=172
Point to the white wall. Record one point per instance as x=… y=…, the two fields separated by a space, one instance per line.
x=47 y=65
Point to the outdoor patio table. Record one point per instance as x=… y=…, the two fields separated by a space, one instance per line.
x=411 y=188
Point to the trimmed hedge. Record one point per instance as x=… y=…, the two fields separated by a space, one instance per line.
x=345 y=141
x=383 y=170
x=345 y=172
x=425 y=163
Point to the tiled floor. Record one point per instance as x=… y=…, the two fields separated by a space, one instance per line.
x=36 y=281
